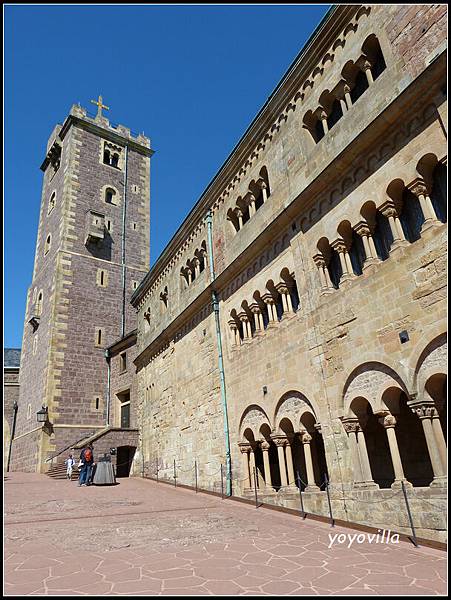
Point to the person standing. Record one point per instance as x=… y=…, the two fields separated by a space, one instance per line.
x=86 y=464
x=69 y=462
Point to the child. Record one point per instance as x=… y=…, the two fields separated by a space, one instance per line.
x=70 y=464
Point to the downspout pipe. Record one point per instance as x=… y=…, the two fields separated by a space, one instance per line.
x=108 y=386
x=215 y=305
x=13 y=430
x=124 y=213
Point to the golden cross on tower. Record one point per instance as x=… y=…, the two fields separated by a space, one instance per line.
x=100 y=106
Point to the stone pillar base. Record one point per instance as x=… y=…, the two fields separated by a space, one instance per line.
x=440 y=482
x=396 y=485
x=399 y=244
x=312 y=488
x=366 y=485
x=347 y=277
x=430 y=224
x=370 y=262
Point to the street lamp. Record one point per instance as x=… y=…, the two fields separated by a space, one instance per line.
x=42 y=415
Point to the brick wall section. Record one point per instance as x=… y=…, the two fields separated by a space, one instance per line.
x=416 y=32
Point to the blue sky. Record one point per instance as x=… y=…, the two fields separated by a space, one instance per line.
x=191 y=77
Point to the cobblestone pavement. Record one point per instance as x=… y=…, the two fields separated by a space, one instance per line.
x=144 y=538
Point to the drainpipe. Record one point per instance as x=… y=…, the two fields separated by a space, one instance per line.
x=124 y=212
x=215 y=305
x=13 y=429
x=108 y=386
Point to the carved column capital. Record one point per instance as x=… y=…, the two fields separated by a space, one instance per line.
x=351 y=425
x=319 y=260
x=388 y=421
x=261 y=184
x=250 y=198
x=280 y=440
x=243 y=316
x=339 y=246
x=268 y=298
x=282 y=288
x=244 y=447
x=232 y=324
x=306 y=438
x=265 y=446
x=388 y=209
x=255 y=308
x=418 y=187
x=362 y=228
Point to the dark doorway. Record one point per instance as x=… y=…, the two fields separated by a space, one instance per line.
x=124 y=460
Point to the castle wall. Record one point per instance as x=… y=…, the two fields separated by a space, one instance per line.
x=329 y=387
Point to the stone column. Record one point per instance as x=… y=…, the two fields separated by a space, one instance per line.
x=264 y=189
x=418 y=187
x=265 y=449
x=323 y=118
x=255 y=309
x=246 y=325
x=364 y=459
x=280 y=443
x=239 y=214
x=245 y=450
x=362 y=229
x=365 y=65
x=388 y=209
x=351 y=427
x=290 y=468
x=311 y=485
x=389 y=422
x=270 y=302
x=345 y=260
x=235 y=334
x=251 y=200
x=190 y=276
x=196 y=263
x=347 y=93
x=439 y=437
x=326 y=284
x=252 y=468
x=424 y=413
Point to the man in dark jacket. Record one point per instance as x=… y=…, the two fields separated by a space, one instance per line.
x=87 y=458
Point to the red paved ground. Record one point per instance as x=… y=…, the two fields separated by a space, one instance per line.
x=144 y=538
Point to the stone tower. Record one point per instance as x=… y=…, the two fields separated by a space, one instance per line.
x=92 y=251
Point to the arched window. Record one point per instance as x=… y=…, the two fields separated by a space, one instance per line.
x=334 y=268
x=357 y=253
x=335 y=114
x=52 y=202
x=110 y=196
x=106 y=156
x=382 y=236
x=371 y=48
x=38 y=308
x=360 y=86
x=411 y=217
x=438 y=194
x=47 y=245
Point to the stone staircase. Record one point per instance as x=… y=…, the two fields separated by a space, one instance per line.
x=58 y=471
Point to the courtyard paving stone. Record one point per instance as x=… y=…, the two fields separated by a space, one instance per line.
x=144 y=538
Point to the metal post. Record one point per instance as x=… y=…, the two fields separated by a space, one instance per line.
x=156 y=465
x=255 y=485
x=222 y=483
x=414 y=535
x=195 y=473
x=175 y=476
x=303 y=513
x=332 y=522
